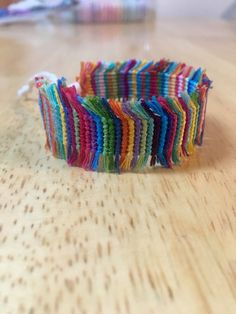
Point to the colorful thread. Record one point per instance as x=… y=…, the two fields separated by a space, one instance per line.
x=128 y=115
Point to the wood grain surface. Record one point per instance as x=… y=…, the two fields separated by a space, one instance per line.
x=157 y=242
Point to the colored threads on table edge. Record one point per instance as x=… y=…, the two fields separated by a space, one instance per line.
x=128 y=115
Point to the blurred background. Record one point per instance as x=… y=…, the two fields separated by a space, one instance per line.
x=51 y=35
x=116 y=10
x=200 y=8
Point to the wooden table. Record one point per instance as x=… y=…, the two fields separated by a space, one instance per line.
x=157 y=242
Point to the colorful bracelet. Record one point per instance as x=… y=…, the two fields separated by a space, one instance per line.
x=126 y=115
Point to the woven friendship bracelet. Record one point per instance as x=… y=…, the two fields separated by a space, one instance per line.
x=126 y=115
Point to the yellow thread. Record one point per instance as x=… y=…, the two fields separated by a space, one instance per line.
x=131 y=142
x=182 y=127
x=190 y=145
x=64 y=132
x=134 y=77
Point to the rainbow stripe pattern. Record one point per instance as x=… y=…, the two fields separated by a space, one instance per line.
x=127 y=115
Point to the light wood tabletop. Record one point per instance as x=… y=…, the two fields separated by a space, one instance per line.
x=157 y=242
